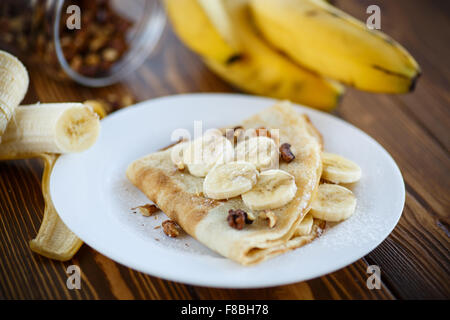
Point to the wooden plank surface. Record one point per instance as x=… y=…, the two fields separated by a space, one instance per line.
x=414 y=128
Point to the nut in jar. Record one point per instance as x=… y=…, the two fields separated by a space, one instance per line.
x=113 y=38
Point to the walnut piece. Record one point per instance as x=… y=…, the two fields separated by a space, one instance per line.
x=180 y=166
x=170 y=228
x=270 y=216
x=262 y=131
x=147 y=210
x=238 y=218
x=272 y=219
x=286 y=153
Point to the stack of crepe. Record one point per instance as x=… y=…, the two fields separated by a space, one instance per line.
x=179 y=194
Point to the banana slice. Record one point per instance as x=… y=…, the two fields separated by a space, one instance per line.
x=333 y=203
x=230 y=179
x=261 y=151
x=204 y=153
x=305 y=227
x=274 y=189
x=338 y=169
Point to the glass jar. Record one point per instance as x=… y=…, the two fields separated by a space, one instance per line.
x=96 y=45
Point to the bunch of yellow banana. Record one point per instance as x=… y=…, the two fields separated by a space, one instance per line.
x=292 y=49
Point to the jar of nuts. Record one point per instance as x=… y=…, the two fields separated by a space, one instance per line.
x=93 y=42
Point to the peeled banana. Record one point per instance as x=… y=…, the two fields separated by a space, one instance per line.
x=203 y=25
x=333 y=203
x=13 y=86
x=332 y=43
x=49 y=128
x=274 y=189
x=230 y=180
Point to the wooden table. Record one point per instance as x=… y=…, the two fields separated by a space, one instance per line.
x=414 y=128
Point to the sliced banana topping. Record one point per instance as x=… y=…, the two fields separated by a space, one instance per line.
x=274 y=189
x=338 y=169
x=261 y=151
x=333 y=203
x=204 y=153
x=230 y=179
x=305 y=227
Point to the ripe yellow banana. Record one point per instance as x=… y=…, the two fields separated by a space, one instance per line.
x=13 y=86
x=325 y=39
x=204 y=27
x=264 y=71
x=49 y=128
x=54 y=240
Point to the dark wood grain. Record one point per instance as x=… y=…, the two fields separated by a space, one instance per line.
x=414 y=259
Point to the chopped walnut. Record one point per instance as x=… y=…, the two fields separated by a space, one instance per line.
x=239 y=135
x=180 y=166
x=286 y=153
x=235 y=134
x=251 y=216
x=269 y=215
x=170 y=228
x=272 y=219
x=238 y=218
x=262 y=131
x=147 y=210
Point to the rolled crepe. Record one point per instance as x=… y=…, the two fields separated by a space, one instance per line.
x=180 y=196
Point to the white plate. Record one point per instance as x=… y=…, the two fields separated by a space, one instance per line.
x=94 y=198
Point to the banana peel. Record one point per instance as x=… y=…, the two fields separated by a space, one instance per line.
x=54 y=240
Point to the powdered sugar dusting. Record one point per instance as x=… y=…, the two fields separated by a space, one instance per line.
x=127 y=197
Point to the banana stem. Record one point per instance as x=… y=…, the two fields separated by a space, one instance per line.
x=54 y=240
